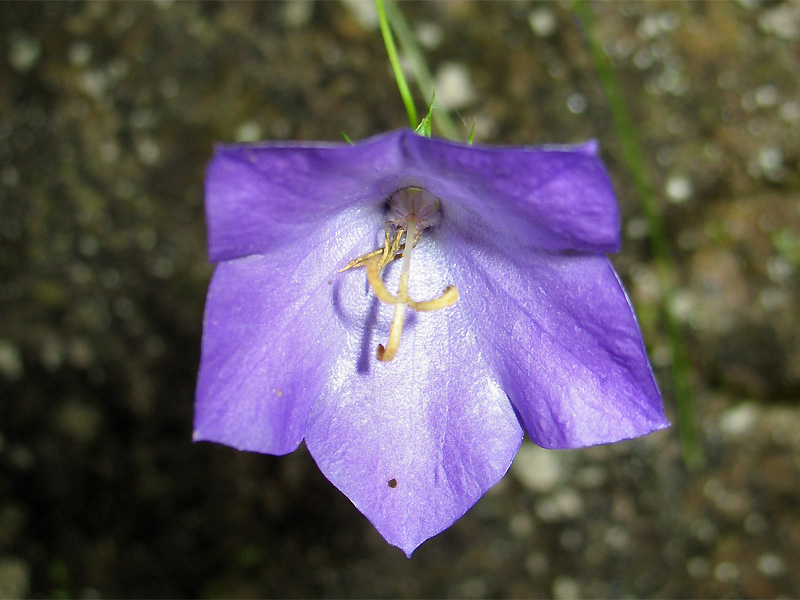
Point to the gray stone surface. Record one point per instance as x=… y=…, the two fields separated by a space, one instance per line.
x=108 y=114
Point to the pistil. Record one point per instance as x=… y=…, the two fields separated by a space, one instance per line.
x=387 y=353
x=412 y=210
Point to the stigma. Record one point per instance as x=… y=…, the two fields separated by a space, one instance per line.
x=409 y=212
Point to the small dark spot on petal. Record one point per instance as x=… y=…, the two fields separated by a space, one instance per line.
x=330 y=282
x=393 y=483
x=278 y=392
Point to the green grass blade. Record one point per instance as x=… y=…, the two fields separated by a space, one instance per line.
x=419 y=67
x=633 y=156
x=391 y=50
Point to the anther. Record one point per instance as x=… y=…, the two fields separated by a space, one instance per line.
x=392 y=249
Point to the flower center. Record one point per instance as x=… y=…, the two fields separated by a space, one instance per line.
x=411 y=210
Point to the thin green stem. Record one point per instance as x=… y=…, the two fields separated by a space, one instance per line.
x=419 y=67
x=391 y=50
x=633 y=155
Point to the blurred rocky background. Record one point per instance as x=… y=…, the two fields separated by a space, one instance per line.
x=108 y=114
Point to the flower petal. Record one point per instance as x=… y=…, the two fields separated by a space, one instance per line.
x=415 y=442
x=269 y=328
x=258 y=195
x=565 y=343
x=551 y=198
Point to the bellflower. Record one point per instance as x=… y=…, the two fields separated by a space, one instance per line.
x=507 y=316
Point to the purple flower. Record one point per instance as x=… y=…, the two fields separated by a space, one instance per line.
x=507 y=316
